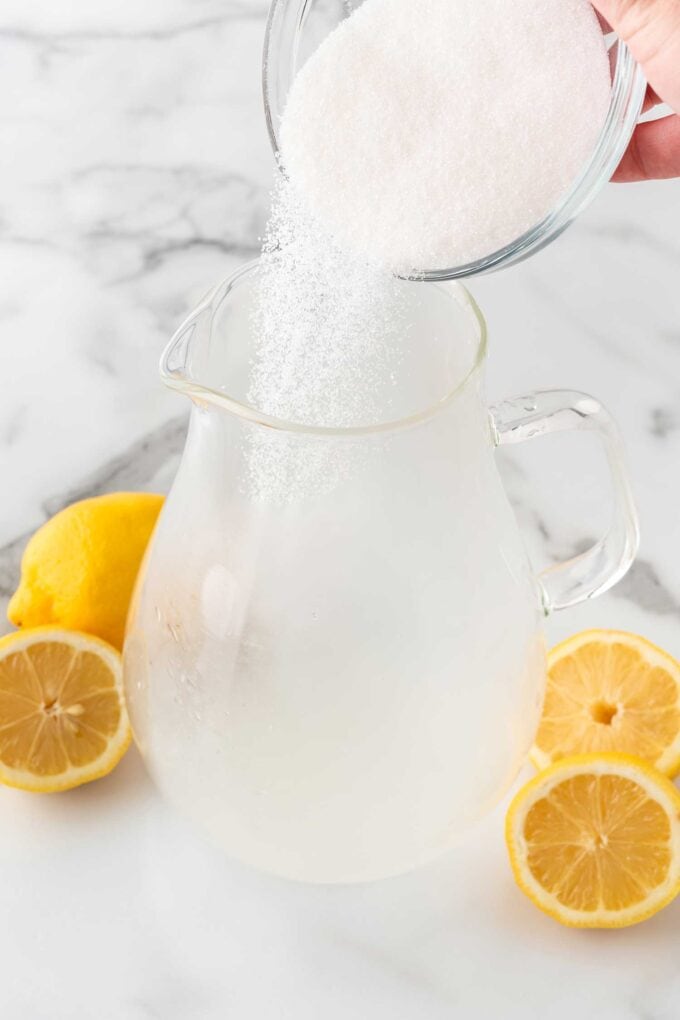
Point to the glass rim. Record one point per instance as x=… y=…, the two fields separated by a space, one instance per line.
x=180 y=381
x=628 y=92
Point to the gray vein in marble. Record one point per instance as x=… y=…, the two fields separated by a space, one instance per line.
x=541 y=526
x=181 y=170
x=156 y=256
x=26 y=240
x=550 y=296
x=642 y=585
x=663 y=423
x=129 y=471
x=635 y=234
x=101 y=361
x=10 y=563
x=245 y=11
x=158 y=212
x=433 y=995
x=14 y=427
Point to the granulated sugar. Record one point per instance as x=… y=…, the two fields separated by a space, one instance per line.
x=429 y=133
x=326 y=325
x=422 y=134
x=326 y=328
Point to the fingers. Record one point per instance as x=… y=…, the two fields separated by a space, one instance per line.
x=654 y=152
x=604 y=24
x=651 y=28
x=632 y=18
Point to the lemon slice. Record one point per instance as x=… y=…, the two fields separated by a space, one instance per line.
x=62 y=715
x=611 y=691
x=594 y=841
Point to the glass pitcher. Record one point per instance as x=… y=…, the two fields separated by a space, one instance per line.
x=334 y=659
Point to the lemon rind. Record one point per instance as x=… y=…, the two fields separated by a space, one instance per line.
x=117 y=744
x=668 y=761
x=640 y=771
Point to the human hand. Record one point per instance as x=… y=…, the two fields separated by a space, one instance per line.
x=651 y=29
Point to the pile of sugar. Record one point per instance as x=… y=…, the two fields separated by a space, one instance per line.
x=428 y=134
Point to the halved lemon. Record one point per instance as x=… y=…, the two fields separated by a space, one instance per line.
x=611 y=691
x=62 y=714
x=594 y=841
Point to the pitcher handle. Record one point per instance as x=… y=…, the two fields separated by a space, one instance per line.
x=596 y=570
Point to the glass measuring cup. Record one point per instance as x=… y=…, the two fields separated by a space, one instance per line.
x=295 y=29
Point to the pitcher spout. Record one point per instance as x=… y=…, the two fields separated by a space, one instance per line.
x=182 y=360
x=199 y=360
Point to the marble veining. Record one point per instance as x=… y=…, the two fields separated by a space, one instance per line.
x=136 y=174
x=664 y=422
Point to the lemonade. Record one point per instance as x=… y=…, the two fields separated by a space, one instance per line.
x=336 y=675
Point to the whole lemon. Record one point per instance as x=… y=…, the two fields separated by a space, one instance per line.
x=79 y=569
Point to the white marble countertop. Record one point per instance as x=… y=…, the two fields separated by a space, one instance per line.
x=135 y=174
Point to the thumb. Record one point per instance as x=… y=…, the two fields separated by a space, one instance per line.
x=651 y=29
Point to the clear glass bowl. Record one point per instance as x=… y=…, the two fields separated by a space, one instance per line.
x=296 y=27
